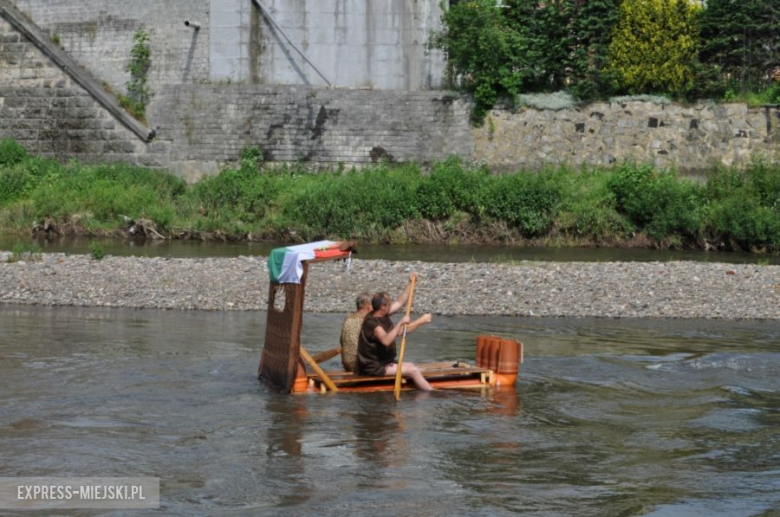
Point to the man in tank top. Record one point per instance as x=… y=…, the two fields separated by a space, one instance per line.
x=376 y=345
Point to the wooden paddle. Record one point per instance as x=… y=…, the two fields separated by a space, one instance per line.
x=397 y=388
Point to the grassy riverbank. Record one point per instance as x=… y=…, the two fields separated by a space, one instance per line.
x=627 y=205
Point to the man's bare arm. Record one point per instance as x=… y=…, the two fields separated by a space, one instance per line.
x=401 y=301
x=419 y=322
x=388 y=338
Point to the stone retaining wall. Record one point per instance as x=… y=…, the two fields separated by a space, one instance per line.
x=690 y=138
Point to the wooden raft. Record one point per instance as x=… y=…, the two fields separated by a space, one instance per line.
x=439 y=375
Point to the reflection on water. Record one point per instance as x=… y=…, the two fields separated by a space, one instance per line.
x=608 y=418
x=421 y=252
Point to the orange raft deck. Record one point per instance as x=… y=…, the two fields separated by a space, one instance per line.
x=497 y=365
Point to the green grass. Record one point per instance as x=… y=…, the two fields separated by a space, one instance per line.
x=31 y=253
x=736 y=209
x=754 y=99
x=96 y=251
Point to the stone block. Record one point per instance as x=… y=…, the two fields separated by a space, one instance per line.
x=119 y=146
x=15 y=102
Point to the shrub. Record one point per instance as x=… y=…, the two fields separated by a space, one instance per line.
x=745 y=206
x=525 y=200
x=11 y=152
x=654 y=46
x=434 y=200
x=366 y=203
x=745 y=223
x=138 y=68
x=658 y=201
x=589 y=208
x=252 y=158
x=451 y=188
x=242 y=193
x=96 y=251
x=14 y=183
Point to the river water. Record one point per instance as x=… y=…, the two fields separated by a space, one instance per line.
x=609 y=417
x=405 y=252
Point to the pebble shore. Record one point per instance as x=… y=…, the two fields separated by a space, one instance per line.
x=549 y=289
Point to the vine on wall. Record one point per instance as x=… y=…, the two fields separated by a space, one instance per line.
x=138 y=86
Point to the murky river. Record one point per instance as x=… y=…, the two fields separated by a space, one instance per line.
x=661 y=418
x=421 y=252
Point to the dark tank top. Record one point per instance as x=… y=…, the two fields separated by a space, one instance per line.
x=373 y=356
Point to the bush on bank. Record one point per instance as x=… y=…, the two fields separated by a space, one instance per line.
x=731 y=209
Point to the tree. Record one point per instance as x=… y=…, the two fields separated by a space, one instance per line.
x=742 y=39
x=483 y=52
x=545 y=30
x=654 y=46
x=592 y=26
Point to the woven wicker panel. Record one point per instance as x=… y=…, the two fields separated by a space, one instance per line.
x=279 y=360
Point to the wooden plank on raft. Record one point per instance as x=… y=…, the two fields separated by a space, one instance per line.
x=350 y=379
x=323 y=376
x=442 y=364
x=432 y=372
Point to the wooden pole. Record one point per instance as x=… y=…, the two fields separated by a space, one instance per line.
x=321 y=357
x=329 y=383
x=397 y=388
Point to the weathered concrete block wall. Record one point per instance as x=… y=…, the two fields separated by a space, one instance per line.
x=206 y=125
x=234 y=27
x=354 y=43
x=99 y=35
x=50 y=114
x=690 y=138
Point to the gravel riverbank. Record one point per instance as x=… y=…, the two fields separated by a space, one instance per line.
x=572 y=289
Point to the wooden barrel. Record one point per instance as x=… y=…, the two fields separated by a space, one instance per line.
x=480 y=347
x=509 y=356
x=498 y=354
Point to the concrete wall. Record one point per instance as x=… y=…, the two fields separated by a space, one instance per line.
x=234 y=43
x=354 y=43
x=204 y=126
x=690 y=138
x=99 y=35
